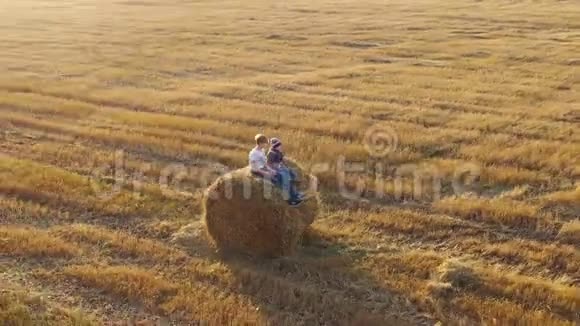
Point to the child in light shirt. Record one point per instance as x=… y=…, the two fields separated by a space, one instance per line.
x=257 y=159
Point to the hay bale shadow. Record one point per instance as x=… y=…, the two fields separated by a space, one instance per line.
x=319 y=285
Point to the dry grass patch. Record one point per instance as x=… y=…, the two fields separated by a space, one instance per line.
x=464 y=280
x=34 y=103
x=16 y=241
x=497 y=211
x=125 y=281
x=557 y=257
x=411 y=223
x=570 y=232
x=513 y=176
x=555 y=157
x=60 y=188
x=417 y=263
x=18 y=211
x=19 y=308
x=457 y=285
x=280 y=285
x=567 y=197
x=208 y=305
x=534 y=292
x=472 y=309
x=489 y=175
x=123 y=243
x=24 y=174
x=136 y=138
x=192 y=300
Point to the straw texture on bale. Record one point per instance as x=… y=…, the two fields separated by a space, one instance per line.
x=246 y=213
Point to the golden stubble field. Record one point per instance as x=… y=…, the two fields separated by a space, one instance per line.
x=114 y=115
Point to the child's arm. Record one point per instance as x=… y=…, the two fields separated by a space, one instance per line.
x=272 y=166
x=255 y=165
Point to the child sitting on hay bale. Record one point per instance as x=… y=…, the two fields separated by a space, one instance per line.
x=273 y=168
x=285 y=176
x=258 y=161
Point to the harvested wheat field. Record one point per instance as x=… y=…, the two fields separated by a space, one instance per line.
x=445 y=136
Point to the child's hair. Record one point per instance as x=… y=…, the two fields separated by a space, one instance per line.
x=275 y=142
x=260 y=139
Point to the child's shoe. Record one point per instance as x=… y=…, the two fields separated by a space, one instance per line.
x=295 y=203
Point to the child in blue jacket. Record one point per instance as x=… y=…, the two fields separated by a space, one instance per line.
x=284 y=175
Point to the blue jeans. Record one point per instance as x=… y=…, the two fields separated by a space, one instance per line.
x=284 y=179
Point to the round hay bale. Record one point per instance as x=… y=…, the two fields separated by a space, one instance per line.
x=246 y=213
